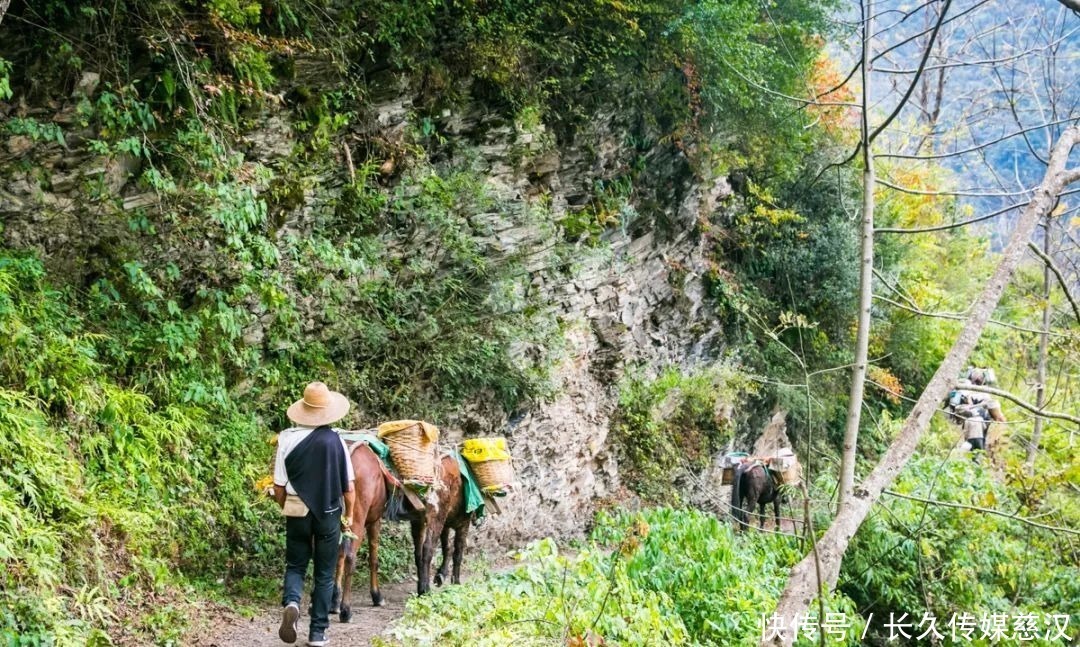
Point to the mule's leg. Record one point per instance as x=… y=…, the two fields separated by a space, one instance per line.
x=461 y=538
x=432 y=528
x=339 y=574
x=345 y=606
x=444 y=543
x=736 y=497
x=776 y=511
x=373 y=531
x=419 y=532
x=750 y=507
x=427 y=556
x=761 y=515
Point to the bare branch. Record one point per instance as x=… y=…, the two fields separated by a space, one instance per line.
x=895 y=289
x=1022 y=403
x=1016 y=117
x=349 y=164
x=962 y=223
x=969 y=193
x=918 y=74
x=978 y=147
x=974 y=63
x=1071 y=4
x=839 y=164
x=842 y=83
x=950 y=504
x=1060 y=277
x=927 y=31
x=903 y=18
x=955 y=316
x=802 y=100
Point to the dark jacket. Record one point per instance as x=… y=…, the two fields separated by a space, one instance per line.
x=318 y=471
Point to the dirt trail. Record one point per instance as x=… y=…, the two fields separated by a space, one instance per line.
x=367 y=622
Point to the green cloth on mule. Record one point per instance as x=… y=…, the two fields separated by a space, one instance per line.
x=371 y=440
x=474 y=500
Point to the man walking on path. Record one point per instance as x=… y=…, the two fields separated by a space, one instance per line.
x=312 y=474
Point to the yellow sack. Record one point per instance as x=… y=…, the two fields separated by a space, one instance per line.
x=478 y=450
x=431 y=432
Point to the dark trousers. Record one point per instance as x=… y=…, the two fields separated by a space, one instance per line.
x=307 y=538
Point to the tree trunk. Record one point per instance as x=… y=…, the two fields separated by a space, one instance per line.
x=802 y=585
x=1040 y=371
x=4 y=4
x=866 y=276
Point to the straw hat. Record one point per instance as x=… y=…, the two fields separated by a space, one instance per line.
x=319 y=406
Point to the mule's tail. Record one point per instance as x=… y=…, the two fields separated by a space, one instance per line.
x=736 y=499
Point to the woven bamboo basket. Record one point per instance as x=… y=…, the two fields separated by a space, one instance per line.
x=792 y=475
x=786 y=464
x=493 y=476
x=728 y=463
x=413 y=454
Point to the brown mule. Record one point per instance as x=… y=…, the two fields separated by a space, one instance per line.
x=444 y=512
x=755 y=484
x=458 y=521
x=448 y=513
x=371 y=489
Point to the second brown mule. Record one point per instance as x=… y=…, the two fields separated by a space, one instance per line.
x=444 y=511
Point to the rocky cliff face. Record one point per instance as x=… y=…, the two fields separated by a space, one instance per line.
x=639 y=297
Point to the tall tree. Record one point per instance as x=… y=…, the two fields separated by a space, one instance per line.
x=866 y=269
x=866 y=254
x=821 y=567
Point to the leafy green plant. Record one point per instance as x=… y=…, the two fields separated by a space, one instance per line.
x=80 y=449
x=36 y=130
x=5 y=80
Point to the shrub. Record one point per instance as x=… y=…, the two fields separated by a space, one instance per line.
x=548 y=598
x=671 y=577
x=914 y=558
x=723 y=585
x=674 y=422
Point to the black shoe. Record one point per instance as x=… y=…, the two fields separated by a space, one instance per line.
x=290 y=615
x=317 y=639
